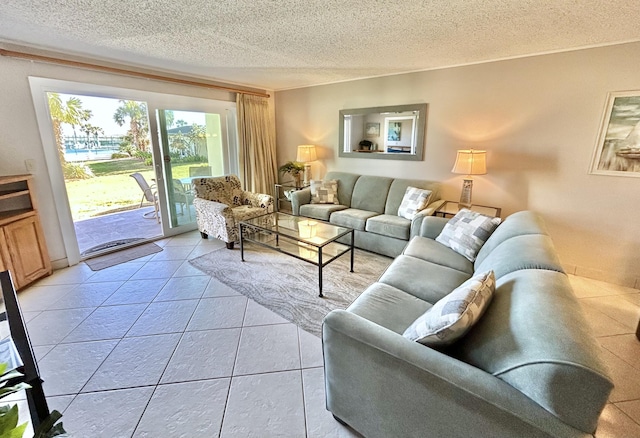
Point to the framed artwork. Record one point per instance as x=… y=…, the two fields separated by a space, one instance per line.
x=395 y=129
x=617 y=150
x=372 y=129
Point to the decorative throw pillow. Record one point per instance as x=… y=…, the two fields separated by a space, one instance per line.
x=467 y=231
x=452 y=316
x=414 y=200
x=324 y=192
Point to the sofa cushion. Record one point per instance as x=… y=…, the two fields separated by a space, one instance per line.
x=453 y=316
x=389 y=307
x=346 y=183
x=399 y=187
x=467 y=231
x=370 y=193
x=320 y=211
x=351 y=218
x=535 y=337
x=413 y=201
x=324 y=192
x=531 y=251
x=434 y=252
x=433 y=282
x=388 y=225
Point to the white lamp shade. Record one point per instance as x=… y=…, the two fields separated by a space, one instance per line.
x=470 y=162
x=306 y=153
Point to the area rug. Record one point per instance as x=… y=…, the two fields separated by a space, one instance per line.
x=288 y=286
x=122 y=256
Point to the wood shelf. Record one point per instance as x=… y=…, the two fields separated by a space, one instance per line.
x=23 y=250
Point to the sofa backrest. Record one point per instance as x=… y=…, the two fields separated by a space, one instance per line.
x=370 y=193
x=399 y=187
x=535 y=337
x=346 y=183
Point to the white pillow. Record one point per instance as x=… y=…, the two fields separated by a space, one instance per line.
x=414 y=200
x=467 y=231
x=452 y=316
x=324 y=192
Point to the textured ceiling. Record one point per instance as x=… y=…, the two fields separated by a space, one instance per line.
x=282 y=44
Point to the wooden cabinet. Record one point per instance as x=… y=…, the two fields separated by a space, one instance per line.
x=23 y=250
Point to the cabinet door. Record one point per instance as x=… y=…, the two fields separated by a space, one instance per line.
x=27 y=250
x=5 y=259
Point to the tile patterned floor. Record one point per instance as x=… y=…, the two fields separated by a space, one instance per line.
x=155 y=348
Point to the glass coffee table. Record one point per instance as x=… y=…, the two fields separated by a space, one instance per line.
x=306 y=239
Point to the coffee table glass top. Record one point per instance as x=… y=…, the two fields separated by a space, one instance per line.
x=312 y=232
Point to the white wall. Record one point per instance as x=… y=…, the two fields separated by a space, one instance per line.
x=20 y=138
x=537 y=117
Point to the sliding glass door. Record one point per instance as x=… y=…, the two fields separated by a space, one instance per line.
x=192 y=144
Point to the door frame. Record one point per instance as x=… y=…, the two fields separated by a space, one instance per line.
x=39 y=89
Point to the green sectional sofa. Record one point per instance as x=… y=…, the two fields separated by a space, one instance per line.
x=530 y=367
x=369 y=205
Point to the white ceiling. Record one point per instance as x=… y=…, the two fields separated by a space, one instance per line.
x=282 y=44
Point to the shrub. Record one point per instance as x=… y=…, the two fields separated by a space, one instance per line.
x=76 y=171
x=127 y=148
x=116 y=155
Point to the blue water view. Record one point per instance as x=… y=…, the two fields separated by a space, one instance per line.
x=75 y=155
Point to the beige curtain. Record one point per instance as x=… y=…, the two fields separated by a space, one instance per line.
x=257 y=144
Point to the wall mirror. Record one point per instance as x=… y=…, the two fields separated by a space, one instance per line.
x=385 y=132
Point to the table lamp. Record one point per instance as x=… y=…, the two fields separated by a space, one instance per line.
x=307 y=154
x=469 y=162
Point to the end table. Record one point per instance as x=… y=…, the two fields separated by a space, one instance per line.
x=450 y=208
x=278 y=193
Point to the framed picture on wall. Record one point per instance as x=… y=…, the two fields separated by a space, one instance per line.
x=372 y=129
x=617 y=150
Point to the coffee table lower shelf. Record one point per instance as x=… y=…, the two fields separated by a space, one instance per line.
x=317 y=255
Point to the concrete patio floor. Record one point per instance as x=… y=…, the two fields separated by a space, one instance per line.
x=116 y=226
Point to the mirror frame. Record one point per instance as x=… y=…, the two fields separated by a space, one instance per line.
x=420 y=132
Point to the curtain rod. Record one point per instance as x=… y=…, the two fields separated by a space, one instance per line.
x=77 y=64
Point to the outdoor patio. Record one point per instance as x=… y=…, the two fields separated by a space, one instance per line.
x=116 y=226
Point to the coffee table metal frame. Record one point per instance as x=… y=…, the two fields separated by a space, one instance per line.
x=306 y=239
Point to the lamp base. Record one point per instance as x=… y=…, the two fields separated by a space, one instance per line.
x=307 y=174
x=465 y=195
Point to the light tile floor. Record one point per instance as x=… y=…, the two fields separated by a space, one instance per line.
x=154 y=348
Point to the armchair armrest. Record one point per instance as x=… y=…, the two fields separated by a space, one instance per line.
x=258 y=199
x=298 y=198
x=410 y=388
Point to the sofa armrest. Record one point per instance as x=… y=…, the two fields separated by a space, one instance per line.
x=416 y=222
x=298 y=198
x=385 y=385
x=432 y=226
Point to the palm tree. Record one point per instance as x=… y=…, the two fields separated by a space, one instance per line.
x=136 y=112
x=70 y=112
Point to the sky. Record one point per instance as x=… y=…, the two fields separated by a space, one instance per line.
x=103 y=109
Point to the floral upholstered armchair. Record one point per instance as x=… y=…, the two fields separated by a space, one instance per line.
x=221 y=204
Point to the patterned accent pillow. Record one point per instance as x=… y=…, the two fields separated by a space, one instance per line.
x=452 y=316
x=467 y=231
x=324 y=192
x=414 y=200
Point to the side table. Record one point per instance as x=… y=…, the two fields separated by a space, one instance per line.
x=279 y=195
x=450 y=208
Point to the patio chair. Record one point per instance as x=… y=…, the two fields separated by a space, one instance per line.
x=221 y=204
x=149 y=194
x=199 y=171
x=182 y=196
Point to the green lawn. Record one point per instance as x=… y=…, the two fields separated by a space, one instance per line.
x=112 y=189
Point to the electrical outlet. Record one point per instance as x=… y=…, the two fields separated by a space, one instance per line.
x=30 y=165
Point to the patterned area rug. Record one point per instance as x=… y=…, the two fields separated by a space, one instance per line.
x=288 y=286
